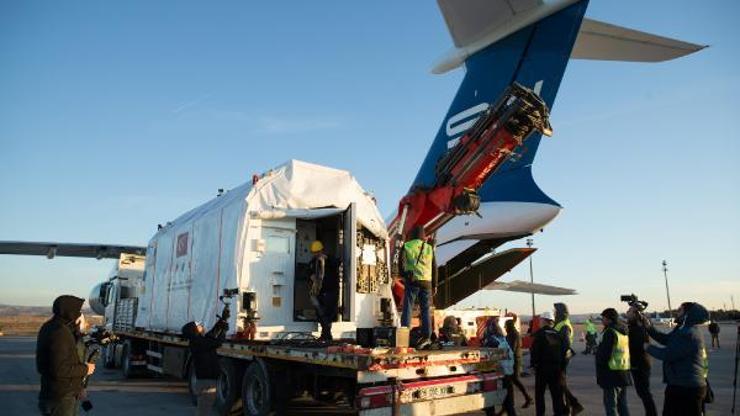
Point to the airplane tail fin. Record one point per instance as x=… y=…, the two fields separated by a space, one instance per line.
x=501 y=42
x=530 y=42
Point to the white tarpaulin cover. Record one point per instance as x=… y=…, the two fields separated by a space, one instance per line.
x=191 y=260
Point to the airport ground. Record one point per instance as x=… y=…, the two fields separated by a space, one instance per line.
x=113 y=395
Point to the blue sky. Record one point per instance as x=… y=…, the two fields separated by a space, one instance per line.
x=116 y=116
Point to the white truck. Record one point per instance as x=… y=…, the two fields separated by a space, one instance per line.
x=251 y=244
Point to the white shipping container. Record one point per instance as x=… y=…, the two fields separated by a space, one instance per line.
x=255 y=238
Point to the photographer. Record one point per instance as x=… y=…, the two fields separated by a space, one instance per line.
x=203 y=354
x=684 y=359
x=58 y=361
x=639 y=359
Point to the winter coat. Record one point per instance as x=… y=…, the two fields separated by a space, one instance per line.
x=515 y=342
x=546 y=353
x=639 y=358
x=684 y=355
x=499 y=341
x=562 y=314
x=452 y=333
x=203 y=349
x=606 y=377
x=57 y=360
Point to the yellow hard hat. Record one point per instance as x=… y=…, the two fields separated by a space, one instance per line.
x=316 y=246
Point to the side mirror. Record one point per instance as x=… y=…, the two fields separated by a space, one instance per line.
x=104 y=293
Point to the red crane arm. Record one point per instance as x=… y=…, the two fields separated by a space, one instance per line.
x=494 y=138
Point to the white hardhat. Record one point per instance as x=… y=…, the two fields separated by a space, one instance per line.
x=547 y=315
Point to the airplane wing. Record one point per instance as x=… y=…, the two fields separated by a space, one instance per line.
x=604 y=41
x=526 y=287
x=476 y=24
x=452 y=288
x=50 y=250
x=470 y=20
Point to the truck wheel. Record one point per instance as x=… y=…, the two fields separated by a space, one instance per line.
x=129 y=371
x=191 y=383
x=228 y=397
x=108 y=356
x=256 y=390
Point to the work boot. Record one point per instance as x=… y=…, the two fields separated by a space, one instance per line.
x=576 y=408
x=527 y=402
x=423 y=344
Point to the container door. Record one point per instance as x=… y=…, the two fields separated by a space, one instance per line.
x=273 y=276
x=349 y=271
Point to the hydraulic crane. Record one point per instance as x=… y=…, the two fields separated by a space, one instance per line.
x=496 y=136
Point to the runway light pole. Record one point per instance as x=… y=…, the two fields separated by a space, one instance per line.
x=531 y=273
x=667 y=292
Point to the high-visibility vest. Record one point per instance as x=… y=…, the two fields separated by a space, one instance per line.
x=704 y=362
x=418 y=259
x=590 y=327
x=620 y=359
x=561 y=324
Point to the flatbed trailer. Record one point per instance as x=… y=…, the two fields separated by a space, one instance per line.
x=261 y=378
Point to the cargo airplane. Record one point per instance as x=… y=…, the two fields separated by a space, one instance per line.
x=496 y=43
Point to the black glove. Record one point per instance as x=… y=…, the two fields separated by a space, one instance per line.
x=226 y=313
x=222 y=325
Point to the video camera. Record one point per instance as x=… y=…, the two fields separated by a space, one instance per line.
x=99 y=336
x=634 y=302
x=94 y=341
x=228 y=294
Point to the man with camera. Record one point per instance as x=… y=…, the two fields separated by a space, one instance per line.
x=639 y=359
x=57 y=359
x=684 y=356
x=203 y=348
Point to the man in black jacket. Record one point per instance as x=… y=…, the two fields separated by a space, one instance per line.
x=613 y=364
x=203 y=355
x=57 y=360
x=546 y=357
x=714 y=331
x=684 y=357
x=640 y=364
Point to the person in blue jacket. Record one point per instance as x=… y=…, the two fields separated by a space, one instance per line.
x=684 y=357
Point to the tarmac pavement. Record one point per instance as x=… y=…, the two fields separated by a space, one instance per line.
x=113 y=395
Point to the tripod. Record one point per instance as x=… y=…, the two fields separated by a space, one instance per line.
x=734 y=382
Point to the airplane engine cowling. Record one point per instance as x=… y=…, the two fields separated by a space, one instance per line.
x=97 y=299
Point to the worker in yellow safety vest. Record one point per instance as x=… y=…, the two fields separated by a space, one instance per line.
x=417 y=264
x=565 y=329
x=613 y=364
x=592 y=335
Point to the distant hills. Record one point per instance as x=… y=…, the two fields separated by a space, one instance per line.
x=14 y=310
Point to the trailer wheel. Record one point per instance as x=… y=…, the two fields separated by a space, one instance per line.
x=191 y=383
x=257 y=392
x=228 y=397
